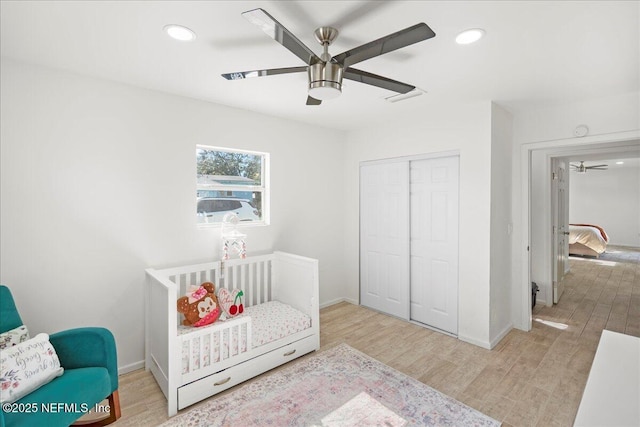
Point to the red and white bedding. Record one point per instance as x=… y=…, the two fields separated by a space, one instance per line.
x=592 y=236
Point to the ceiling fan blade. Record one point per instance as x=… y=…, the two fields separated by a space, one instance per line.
x=375 y=80
x=397 y=40
x=313 y=101
x=279 y=33
x=596 y=166
x=239 y=75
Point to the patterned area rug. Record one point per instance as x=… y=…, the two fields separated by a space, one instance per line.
x=337 y=387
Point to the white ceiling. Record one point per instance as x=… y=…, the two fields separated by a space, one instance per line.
x=535 y=53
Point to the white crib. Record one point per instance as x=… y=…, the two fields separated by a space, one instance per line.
x=192 y=365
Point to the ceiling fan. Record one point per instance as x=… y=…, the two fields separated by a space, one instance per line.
x=581 y=168
x=326 y=71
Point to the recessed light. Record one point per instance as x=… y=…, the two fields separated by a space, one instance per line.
x=619 y=163
x=179 y=32
x=470 y=36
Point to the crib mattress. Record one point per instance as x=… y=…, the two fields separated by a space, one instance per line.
x=270 y=321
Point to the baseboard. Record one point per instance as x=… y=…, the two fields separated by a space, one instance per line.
x=131 y=367
x=483 y=344
x=338 y=300
x=498 y=338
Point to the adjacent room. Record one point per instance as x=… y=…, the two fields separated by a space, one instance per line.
x=319 y=212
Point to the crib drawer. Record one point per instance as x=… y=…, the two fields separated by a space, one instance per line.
x=213 y=384
x=285 y=354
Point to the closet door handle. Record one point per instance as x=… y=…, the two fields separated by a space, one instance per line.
x=226 y=380
x=289 y=353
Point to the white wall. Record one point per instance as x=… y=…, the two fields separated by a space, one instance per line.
x=501 y=223
x=609 y=198
x=547 y=127
x=97 y=183
x=466 y=128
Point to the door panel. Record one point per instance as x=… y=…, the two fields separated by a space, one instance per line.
x=434 y=242
x=560 y=213
x=384 y=237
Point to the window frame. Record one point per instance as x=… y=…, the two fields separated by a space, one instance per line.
x=263 y=188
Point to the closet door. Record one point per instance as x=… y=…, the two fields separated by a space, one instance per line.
x=384 y=237
x=434 y=242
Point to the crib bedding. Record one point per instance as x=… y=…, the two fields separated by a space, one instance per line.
x=270 y=321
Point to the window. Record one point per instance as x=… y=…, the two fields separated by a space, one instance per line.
x=231 y=181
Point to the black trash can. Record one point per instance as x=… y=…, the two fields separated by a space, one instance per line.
x=534 y=291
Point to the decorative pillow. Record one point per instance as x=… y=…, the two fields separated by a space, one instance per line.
x=26 y=367
x=231 y=301
x=13 y=337
x=200 y=306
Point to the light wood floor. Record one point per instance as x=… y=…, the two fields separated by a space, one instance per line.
x=528 y=379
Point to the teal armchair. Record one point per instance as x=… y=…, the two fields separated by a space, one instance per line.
x=88 y=356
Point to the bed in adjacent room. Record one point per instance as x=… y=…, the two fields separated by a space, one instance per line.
x=587 y=240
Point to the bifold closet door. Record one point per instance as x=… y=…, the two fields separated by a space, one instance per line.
x=434 y=242
x=384 y=237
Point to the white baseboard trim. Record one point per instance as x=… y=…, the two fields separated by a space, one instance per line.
x=498 y=338
x=338 y=300
x=483 y=344
x=131 y=367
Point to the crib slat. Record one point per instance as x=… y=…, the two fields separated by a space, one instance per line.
x=248 y=301
x=266 y=281
x=201 y=353
x=265 y=278
x=232 y=339
x=243 y=282
x=258 y=281
x=235 y=276
x=212 y=345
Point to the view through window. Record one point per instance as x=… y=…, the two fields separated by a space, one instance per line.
x=230 y=181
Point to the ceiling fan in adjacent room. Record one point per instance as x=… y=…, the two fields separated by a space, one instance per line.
x=326 y=72
x=581 y=168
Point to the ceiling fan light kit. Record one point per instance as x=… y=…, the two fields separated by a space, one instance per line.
x=325 y=80
x=325 y=77
x=325 y=72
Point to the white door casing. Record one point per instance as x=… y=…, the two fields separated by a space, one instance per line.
x=434 y=242
x=384 y=234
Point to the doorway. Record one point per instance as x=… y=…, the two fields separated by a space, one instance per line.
x=537 y=243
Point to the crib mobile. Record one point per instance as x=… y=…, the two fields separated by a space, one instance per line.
x=233 y=241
